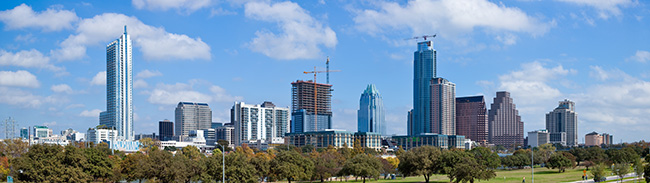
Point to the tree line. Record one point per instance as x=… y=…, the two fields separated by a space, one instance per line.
x=80 y=162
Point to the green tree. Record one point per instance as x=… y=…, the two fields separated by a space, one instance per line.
x=99 y=166
x=326 y=164
x=598 y=172
x=621 y=169
x=646 y=172
x=561 y=161
x=467 y=169
x=638 y=167
x=213 y=166
x=291 y=165
x=451 y=160
x=422 y=160
x=387 y=167
x=362 y=165
x=147 y=143
x=49 y=163
x=626 y=155
x=581 y=154
x=239 y=169
x=134 y=167
x=262 y=163
x=544 y=153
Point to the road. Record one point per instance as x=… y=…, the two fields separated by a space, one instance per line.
x=608 y=178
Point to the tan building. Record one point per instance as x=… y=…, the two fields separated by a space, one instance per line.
x=593 y=139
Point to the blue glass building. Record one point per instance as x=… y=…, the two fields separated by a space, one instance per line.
x=371 y=112
x=119 y=88
x=424 y=71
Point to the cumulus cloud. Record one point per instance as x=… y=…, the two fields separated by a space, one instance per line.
x=529 y=85
x=300 y=35
x=23 y=16
x=92 y=113
x=62 y=88
x=99 y=79
x=139 y=83
x=451 y=18
x=188 y=6
x=21 y=98
x=19 y=78
x=27 y=58
x=154 y=42
x=169 y=94
x=605 y=8
x=640 y=56
x=147 y=74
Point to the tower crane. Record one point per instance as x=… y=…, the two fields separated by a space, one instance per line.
x=423 y=37
x=315 y=72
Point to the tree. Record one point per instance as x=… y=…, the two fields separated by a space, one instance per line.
x=544 y=153
x=134 y=167
x=214 y=168
x=387 y=167
x=239 y=169
x=99 y=166
x=422 y=160
x=625 y=155
x=262 y=163
x=638 y=167
x=362 y=165
x=292 y=166
x=646 y=172
x=598 y=172
x=49 y=163
x=326 y=164
x=596 y=155
x=146 y=144
x=581 y=154
x=621 y=169
x=561 y=161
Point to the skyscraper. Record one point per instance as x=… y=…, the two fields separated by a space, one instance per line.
x=165 y=130
x=471 y=118
x=192 y=116
x=259 y=122
x=443 y=107
x=424 y=70
x=311 y=107
x=371 y=111
x=562 y=124
x=504 y=123
x=119 y=88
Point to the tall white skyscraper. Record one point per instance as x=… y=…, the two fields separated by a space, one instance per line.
x=264 y=122
x=371 y=112
x=119 y=88
x=562 y=124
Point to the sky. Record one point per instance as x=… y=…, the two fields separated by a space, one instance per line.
x=593 y=52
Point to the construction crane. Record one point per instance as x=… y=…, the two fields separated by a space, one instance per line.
x=315 y=72
x=423 y=37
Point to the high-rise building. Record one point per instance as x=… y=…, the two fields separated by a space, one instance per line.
x=165 y=130
x=97 y=135
x=504 y=123
x=192 y=116
x=424 y=71
x=593 y=139
x=311 y=107
x=443 y=106
x=471 y=118
x=264 y=122
x=119 y=88
x=226 y=132
x=562 y=124
x=371 y=114
x=537 y=138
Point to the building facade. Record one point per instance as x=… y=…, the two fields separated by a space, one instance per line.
x=259 y=122
x=562 y=124
x=424 y=71
x=471 y=118
x=371 y=113
x=311 y=106
x=165 y=130
x=97 y=135
x=119 y=88
x=42 y=131
x=504 y=123
x=431 y=139
x=595 y=139
x=443 y=107
x=24 y=133
x=192 y=116
x=334 y=138
x=226 y=132
x=537 y=138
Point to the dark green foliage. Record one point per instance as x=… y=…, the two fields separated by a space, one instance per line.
x=598 y=172
x=326 y=164
x=49 y=163
x=239 y=169
x=421 y=161
x=561 y=161
x=625 y=155
x=291 y=165
x=362 y=165
x=620 y=169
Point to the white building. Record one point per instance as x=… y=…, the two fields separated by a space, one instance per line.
x=264 y=122
x=537 y=138
x=562 y=124
x=99 y=135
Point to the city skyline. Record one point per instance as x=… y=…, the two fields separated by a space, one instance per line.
x=52 y=58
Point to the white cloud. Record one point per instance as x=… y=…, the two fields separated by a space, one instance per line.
x=528 y=85
x=27 y=58
x=220 y=11
x=92 y=113
x=154 y=42
x=169 y=94
x=147 y=74
x=19 y=78
x=300 y=36
x=188 y=6
x=641 y=56
x=99 y=79
x=62 y=88
x=451 y=18
x=606 y=8
x=139 y=83
x=17 y=97
x=23 y=16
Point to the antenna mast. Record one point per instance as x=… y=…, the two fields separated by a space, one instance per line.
x=327 y=70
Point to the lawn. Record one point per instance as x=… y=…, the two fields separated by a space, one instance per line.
x=514 y=176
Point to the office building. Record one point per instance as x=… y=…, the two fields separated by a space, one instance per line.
x=216 y=125
x=371 y=113
x=430 y=139
x=334 y=138
x=165 y=130
x=97 y=135
x=443 y=107
x=311 y=108
x=42 y=131
x=562 y=124
x=471 y=118
x=191 y=116
x=504 y=123
x=141 y=136
x=537 y=138
x=226 y=132
x=424 y=71
x=259 y=122
x=24 y=133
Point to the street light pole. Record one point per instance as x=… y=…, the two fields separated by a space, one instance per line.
x=223 y=164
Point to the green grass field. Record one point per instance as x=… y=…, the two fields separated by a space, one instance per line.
x=513 y=176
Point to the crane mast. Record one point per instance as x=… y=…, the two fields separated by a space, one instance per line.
x=315 y=72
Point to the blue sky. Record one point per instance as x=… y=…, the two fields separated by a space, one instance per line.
x=596 y=53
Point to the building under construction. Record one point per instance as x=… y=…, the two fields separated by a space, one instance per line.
x=311 y=106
